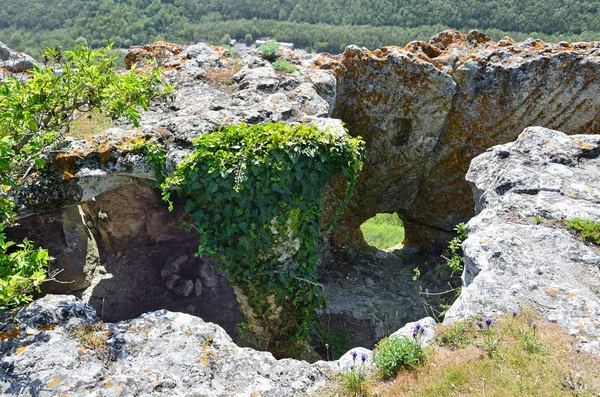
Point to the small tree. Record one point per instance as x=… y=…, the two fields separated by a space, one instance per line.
x=248 y=39
x=35 y=115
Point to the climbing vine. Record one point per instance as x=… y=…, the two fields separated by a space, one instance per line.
x=255 y=196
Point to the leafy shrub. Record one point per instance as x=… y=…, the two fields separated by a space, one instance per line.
x=589 y=230
x=35 y=115
x=383 y=231
x=269 y=50
x=393 y=354
x=22 y=271
x=284 y=66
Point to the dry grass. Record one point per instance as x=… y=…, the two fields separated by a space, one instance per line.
x=527 y=363
x=92 y=336
x=223 y=76
x=89 y=124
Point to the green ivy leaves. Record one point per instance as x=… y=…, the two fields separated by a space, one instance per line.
x=255 y=192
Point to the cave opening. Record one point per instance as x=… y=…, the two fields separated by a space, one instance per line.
x=384 y=231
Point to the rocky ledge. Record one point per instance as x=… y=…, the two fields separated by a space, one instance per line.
x=58 y=346
x=518 y=252
x=519 y=249
x=425 y=111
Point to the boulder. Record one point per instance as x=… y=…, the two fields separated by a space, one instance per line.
x=519 y=249
x=14 y=62
x=423 y=331
x=156 y=354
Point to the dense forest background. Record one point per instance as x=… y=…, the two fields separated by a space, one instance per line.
x=321 y=25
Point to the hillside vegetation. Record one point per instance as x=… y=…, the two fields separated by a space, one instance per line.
x=319 y=24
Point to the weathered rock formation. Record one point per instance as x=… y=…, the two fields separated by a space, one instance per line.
x=12 y=62
x=519 y=250
x=427 y=109
x=48 y=350
x=424 y=110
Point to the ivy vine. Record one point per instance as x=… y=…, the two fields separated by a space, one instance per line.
x=254 y=193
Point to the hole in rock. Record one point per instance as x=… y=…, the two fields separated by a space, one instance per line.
x=125 y=259
x=384 y=231
x=121 y=255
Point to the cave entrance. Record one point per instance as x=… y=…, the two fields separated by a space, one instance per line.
x=384 y=231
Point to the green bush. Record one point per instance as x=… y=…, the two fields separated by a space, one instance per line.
x=589 y=230
x=284 y=66
x=269 y=50
x=393 y=354
x=383 y=231
x=35 y=115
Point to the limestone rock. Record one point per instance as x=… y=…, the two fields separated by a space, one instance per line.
x=512 y=257
x=14 y=62
x=198 y=287
x=207 y=274
x=425 y=337
x=172 y=280
x=184 y=288
x=425 y=111
x=352 y=359
x=160 y=352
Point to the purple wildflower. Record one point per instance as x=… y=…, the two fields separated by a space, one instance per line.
x=354 y=354
x=515 y=313
x=534 y=325
x=479 y=324
x=363 y=357
x=488 y=322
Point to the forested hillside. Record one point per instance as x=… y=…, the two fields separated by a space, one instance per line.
x=319 y=24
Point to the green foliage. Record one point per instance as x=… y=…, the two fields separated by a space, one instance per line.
x=22 y=270
x=589 y=230
x=455 y=336
x=383 y=231
x=453 y=254
x=394 y=354
x=248 y=39
x=354 y=382
x=284 y=66
x=326 y=25
x=156 y=155
x=269 y=50
x=254 y=194
x=35 y=114
x=334 y=342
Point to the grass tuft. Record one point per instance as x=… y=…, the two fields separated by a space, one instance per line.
x=89 y=124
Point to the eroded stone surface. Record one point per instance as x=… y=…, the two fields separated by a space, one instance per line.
x=512 y=257
x=13 y=62
x=425 y=111
x=156 y=354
